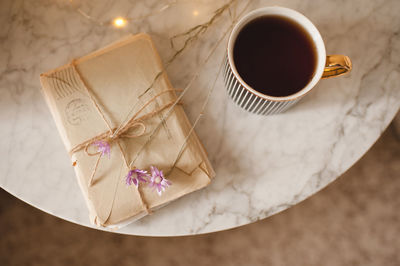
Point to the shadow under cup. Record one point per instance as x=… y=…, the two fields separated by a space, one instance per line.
x=290 y=71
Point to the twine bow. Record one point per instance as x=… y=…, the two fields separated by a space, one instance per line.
x=104 y=141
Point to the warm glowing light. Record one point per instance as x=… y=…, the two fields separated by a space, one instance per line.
x=195 y=13
x=119 y=22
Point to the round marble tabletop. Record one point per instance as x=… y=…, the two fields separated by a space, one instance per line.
x=263 y=164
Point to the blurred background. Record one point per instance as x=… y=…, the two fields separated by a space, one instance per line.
x=354 y=221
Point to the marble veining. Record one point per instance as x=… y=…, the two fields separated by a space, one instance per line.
x=263 y=164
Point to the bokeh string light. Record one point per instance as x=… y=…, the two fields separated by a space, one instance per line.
x=120 y=22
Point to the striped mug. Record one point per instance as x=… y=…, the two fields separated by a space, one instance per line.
x=255 y=102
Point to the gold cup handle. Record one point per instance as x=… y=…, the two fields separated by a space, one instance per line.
x=336 y=65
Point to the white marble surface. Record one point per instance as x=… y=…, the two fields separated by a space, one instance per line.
x=263 y=164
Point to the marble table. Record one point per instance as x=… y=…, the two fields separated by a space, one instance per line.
x=264 y=164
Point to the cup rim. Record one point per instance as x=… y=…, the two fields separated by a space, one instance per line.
x=301 y=20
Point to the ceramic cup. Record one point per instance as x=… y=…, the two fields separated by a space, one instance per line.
x=255 y=102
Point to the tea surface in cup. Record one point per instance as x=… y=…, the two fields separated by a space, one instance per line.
x=275 y=55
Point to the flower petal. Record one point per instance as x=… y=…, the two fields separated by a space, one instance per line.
x=140 y=178
x=159 y=191
x=128 y=178
x=152 y=170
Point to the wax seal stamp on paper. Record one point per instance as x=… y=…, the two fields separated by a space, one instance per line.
x=76 y=112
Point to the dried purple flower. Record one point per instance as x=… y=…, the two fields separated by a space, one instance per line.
x=158 y=181
x=103 y=147
x=136 y=176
